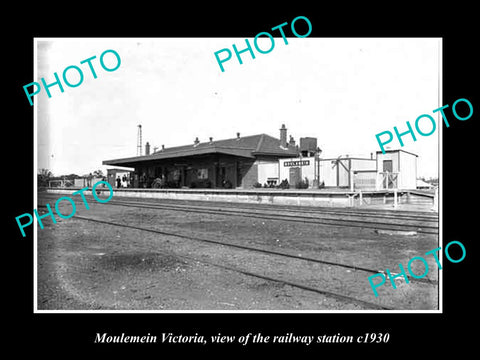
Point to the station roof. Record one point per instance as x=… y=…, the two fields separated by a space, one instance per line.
x=396 y=150
x=246 y=147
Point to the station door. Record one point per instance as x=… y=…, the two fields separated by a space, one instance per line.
x=390 y=179
x=294 y=176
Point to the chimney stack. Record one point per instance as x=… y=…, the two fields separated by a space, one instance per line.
x=196 y=142
x=163 y=147
x=283 y=136
x=238 y=135
x=147 y=148
x=211 y=139
x=292 y=141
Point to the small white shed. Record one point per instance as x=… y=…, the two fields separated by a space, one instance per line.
x=396 y=169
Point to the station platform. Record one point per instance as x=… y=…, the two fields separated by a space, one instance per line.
x=414 y=200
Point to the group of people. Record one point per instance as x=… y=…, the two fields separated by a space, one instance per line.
x=122 y=182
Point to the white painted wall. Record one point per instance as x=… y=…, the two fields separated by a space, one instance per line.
x=363 y=164
x=307 y=171
x=408 y=171
x=328 y=173
x=266 y=170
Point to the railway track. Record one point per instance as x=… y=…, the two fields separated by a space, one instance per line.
x=378 y=213
x=385 y=220
x=400 y=222
x=268 y=252
x=322 y=216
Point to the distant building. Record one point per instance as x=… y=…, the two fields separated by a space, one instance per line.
x=424 y=185
x=86 y=181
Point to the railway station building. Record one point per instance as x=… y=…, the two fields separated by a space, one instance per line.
x=263 y=160
x=239 y=162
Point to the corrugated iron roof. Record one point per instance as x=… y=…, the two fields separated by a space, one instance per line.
x=248 y=147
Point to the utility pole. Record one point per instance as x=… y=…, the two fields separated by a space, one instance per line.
x=139 y=141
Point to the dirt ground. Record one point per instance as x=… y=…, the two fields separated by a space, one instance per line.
x=84 y=265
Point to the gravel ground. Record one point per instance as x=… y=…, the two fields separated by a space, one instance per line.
x=84 y=265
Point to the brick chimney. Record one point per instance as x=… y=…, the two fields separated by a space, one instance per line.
x=147 y=148
x=283 y=136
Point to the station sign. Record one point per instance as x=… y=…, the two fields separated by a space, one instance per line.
x=297 y=163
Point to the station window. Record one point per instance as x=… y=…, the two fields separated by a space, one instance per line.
x=202 y=173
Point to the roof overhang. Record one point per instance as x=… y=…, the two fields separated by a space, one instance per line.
x=396 y=150
x=289 y=154
x=184 y=153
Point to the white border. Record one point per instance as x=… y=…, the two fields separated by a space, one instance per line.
x=440 y=207
x=35 y=184
x=440 y=172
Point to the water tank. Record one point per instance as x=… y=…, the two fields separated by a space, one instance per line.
x=308 y=144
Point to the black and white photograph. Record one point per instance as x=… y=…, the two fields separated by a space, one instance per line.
x=224 y=179
x=261 y=187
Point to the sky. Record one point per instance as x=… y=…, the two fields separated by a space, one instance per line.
x=343 y=91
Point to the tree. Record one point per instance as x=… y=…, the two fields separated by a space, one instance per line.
x=43 y=177
x=98 y=173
